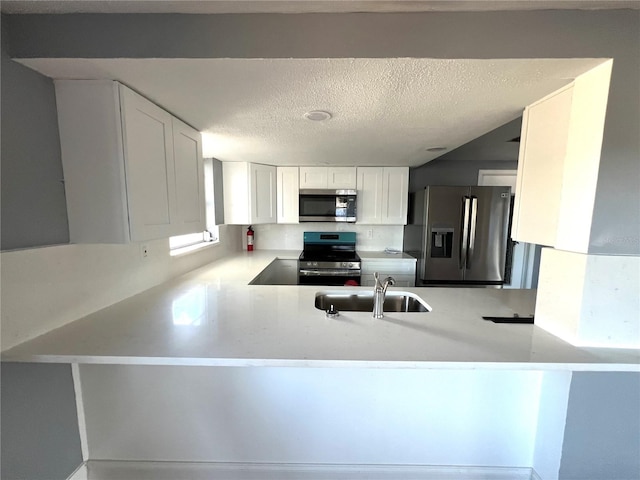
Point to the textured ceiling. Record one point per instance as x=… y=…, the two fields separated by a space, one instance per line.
x=385 y=111
x=298 y=6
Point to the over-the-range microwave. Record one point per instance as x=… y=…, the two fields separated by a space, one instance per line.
x=321 y=205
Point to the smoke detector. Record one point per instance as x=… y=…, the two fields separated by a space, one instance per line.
x=317 y=115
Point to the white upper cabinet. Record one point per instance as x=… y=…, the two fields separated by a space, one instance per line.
x=341 y=178
x=132 y=171
x=249 y=193
x=149 y=172
x=263 y=193
x=383 y=194
x=395 y=195
x=338 y=178
x=543 y=146
x=369 y=206
x=287 y=194
x=558 y=165
x=190 y=201
x=313 y=177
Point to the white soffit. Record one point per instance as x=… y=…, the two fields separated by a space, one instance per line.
x=385 y=111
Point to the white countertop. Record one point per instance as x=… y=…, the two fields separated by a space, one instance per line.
x=212 y=317
x=365 y=255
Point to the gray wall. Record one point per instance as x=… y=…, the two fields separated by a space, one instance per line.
x=524 y=34
x=33 y=210
x=453 y=172
x=39 y=425
x=494 y=145
x=602 y=433
x=492 y=151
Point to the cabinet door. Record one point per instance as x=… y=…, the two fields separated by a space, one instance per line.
x=149 y=167
x=89 y=121
x=543 y=149
x=341 y=177
x=369 y=195
x=288 y=192
x=263 y=193
x=313 y=177
x=395 y=195
x=189 y=171
x=237 y=197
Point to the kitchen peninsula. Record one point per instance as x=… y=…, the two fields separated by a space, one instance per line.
x=156 y=378
x=212 y=317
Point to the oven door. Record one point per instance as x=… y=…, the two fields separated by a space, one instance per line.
x=327 y=205
x=329 y=277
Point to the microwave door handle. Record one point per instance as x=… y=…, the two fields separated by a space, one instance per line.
x=472 y=231
x=464 y=238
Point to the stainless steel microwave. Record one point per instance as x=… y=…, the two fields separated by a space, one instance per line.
x=317 y=205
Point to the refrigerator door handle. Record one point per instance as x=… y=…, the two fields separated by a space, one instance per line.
x=472 y=231
x=464 y=240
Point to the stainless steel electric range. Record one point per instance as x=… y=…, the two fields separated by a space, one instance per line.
x=329 y=258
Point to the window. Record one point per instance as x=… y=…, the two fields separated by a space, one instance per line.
x=194 y=241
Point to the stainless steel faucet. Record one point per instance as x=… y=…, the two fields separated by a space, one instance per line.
x=379 y=291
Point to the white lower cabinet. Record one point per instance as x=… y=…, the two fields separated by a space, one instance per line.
x=383 y=195
x=249 y=193
x=132 y=171
x=401 y=280
x=403 y=270
x=288 y=192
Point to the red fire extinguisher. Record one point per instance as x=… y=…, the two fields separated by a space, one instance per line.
x=250 y=239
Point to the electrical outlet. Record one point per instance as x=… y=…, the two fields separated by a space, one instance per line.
x=144 y=251
x=370 y=233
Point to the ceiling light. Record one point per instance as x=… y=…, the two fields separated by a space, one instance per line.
x=317 y=115
x=436 y=149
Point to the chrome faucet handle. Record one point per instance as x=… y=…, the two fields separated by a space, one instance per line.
x=382 y=286
x=388 y=281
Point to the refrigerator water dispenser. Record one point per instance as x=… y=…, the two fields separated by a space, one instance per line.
x=441 y=242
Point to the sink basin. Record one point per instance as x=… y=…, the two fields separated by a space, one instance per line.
x=363 y=302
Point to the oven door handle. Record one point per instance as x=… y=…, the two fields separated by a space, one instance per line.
x=324 y=273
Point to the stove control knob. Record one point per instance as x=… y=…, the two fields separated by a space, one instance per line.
x=344 y=264
x=315 y=264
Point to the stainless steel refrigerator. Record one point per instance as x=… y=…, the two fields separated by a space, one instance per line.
x=458 y=234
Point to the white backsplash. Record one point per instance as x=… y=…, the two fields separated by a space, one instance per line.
x=47 y=287
x=289 y=237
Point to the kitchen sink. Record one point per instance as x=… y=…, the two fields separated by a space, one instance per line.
x=363 y=302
